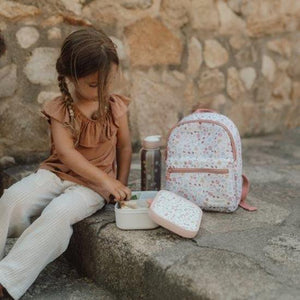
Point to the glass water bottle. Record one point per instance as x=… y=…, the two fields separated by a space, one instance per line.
x=150 y=156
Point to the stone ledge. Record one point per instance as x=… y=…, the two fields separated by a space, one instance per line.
x=235 y=256
x=156 y=264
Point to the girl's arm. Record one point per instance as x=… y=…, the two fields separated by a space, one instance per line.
x=124 y=150
x=67 y=153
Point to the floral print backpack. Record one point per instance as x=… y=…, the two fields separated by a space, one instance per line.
x=204 y=162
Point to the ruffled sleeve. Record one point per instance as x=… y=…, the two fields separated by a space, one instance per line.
x=55 y=109
x=119 y=105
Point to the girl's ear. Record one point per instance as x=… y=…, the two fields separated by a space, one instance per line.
x=70 y=80
x=71 y=83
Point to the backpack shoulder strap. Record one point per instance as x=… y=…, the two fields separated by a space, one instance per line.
x=245 y=191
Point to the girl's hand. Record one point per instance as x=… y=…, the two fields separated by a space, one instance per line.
x=116 y=188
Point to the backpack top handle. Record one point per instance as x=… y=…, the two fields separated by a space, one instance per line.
x=205 y=110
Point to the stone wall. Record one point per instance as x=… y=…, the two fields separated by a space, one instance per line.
x=240 y=57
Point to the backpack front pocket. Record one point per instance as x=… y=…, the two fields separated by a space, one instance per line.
x=210 y=188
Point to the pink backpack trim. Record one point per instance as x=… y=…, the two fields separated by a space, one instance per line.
x=205 y=110
x=245 y=190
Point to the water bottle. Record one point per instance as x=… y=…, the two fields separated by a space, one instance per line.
x=150 y=156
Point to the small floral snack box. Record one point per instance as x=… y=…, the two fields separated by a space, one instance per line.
x=176 y=214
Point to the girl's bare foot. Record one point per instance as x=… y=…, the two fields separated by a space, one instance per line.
x=1 y=291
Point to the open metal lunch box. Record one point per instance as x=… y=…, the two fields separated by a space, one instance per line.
x=137 y=218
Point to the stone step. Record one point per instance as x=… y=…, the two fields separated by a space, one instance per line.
x=60 y=281
x=243 y=255
x=234 y=256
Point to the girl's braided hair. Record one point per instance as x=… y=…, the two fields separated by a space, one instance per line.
x=85 y=52
x=2 y=45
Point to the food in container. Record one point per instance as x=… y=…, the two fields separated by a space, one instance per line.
x=129 y=217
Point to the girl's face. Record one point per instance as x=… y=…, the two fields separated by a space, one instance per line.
x=86 y=88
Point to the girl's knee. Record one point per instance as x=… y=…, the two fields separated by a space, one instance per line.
x=17 y=194
x=63 y=214
x=58 y=212
x=14 y=196
x=8 y=199
x=13 y=212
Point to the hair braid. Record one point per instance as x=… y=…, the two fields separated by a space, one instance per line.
x=68 y=100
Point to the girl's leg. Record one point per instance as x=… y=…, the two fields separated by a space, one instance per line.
x=46 y=238
x=25 y=199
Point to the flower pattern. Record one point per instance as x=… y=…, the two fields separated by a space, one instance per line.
x=212 y=143
x=177 y=210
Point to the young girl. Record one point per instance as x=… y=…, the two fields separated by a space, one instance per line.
x=89 y=137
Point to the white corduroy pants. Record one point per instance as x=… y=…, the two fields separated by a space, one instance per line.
x=59 y=204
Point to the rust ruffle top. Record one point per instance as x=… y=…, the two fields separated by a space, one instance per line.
x=97 y=142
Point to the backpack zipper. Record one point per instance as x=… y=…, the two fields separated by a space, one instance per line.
x=195 y=170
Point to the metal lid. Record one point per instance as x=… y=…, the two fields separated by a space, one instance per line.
x=152 y=142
